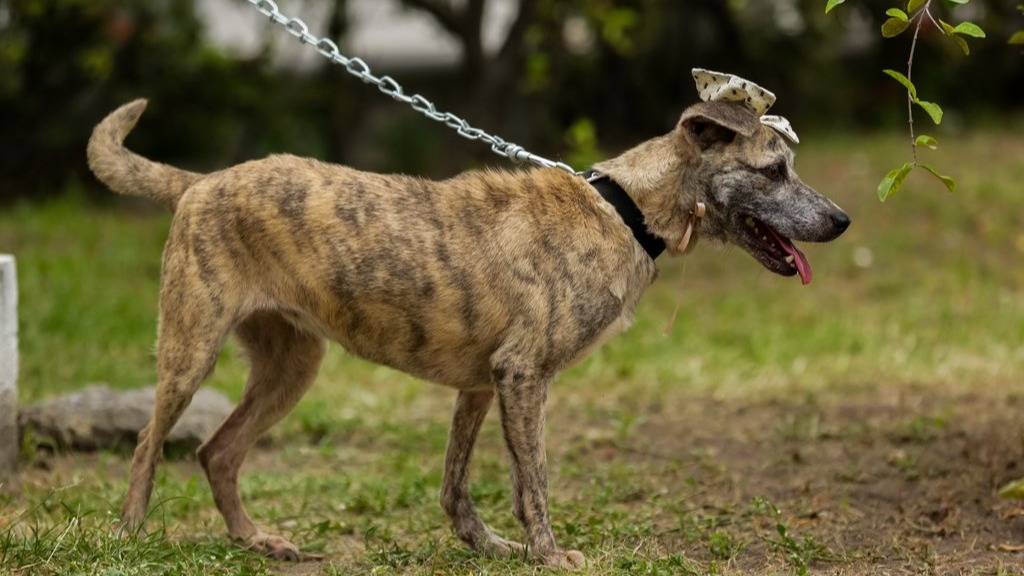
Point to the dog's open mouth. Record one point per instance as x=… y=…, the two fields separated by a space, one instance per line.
x=773 y=250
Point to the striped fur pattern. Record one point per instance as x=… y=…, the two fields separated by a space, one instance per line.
x=490 y=283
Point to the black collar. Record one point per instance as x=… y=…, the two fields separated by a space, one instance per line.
x=624 y=205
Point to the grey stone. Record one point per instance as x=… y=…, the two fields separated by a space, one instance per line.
x=98 y=417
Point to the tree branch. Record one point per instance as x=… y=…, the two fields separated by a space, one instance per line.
x=910 y=71
x=473 y=15
x=518 y=28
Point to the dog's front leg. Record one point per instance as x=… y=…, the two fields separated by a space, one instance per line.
x=521 y=399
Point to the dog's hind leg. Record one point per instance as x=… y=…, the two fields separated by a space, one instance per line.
x=284 y=362
x=194 y=321
x=470 y=410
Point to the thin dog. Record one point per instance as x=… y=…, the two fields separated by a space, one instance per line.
x=489 y=282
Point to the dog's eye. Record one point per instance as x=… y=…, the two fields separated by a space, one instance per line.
x=776 y=171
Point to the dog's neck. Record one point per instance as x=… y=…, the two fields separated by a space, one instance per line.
x=656 y=175
x=628 y=210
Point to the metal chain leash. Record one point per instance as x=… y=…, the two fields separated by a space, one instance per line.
x=388 y=85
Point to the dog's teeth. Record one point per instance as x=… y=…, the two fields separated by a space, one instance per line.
x=789 y=260
x=765 y=238
x=749 y=221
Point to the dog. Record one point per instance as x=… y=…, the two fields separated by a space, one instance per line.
x=490 y=282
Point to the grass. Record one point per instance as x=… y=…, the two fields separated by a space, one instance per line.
x=700 y=452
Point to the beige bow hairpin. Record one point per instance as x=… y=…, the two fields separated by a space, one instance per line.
x=717 y=86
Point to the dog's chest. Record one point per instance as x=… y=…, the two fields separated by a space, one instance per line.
x=618 y=326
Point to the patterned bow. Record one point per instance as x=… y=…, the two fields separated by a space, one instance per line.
x=716 y=86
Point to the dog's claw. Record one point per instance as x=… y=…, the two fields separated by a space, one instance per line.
x=565 y=559
x=278 y=548
x=498 y=547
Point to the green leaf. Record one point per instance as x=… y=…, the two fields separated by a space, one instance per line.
x=959 y=1
x=913 y=5
x=933 y=110
x=897 y=14
x=903 y=80
x=832 y=4
x=616 y=28
x=1014 y=490
x=893 y=27
x=969 y=29
x=961 y=43
x=1017 y=38
x=926 y=141
x=948 y=181
x=946 y=27
x=893 y=181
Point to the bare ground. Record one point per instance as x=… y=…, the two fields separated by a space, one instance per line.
x=901 y=481
x=894 y=482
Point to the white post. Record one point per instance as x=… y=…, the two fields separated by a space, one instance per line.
x=8 y=368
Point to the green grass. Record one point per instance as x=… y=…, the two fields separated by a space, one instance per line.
x=88 y=284
x=925 y=291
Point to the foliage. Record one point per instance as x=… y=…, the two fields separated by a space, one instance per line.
x=917 y=13
x=581 y=138
x=64 y=63
x=1018 y=36
x=623 y=65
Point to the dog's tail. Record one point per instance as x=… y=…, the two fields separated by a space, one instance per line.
x=125 y=171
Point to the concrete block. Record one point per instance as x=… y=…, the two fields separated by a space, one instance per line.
x=8 y=367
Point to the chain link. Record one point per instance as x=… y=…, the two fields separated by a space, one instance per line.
x=389 y=86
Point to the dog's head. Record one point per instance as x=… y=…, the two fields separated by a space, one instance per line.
x=743 y=171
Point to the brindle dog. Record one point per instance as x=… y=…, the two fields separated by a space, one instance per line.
x=489 y=282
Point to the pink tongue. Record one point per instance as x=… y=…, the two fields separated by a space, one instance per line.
x=803 y=267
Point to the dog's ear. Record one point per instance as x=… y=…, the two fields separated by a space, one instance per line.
x=709 y=123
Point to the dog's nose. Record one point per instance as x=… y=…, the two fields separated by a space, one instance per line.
x=840 y=221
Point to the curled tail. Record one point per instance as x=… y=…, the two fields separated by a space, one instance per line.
x=125 y=171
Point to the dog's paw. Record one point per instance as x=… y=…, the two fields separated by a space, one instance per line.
x=565 y=559
x=132 y=520
x=498 y=547
x=278 y=548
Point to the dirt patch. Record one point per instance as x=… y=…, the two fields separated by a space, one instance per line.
x=900 y=482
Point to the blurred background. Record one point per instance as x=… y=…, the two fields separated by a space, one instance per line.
x=886 y=396
x=570 y=79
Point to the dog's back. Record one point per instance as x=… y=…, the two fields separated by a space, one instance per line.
x=427 y=277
